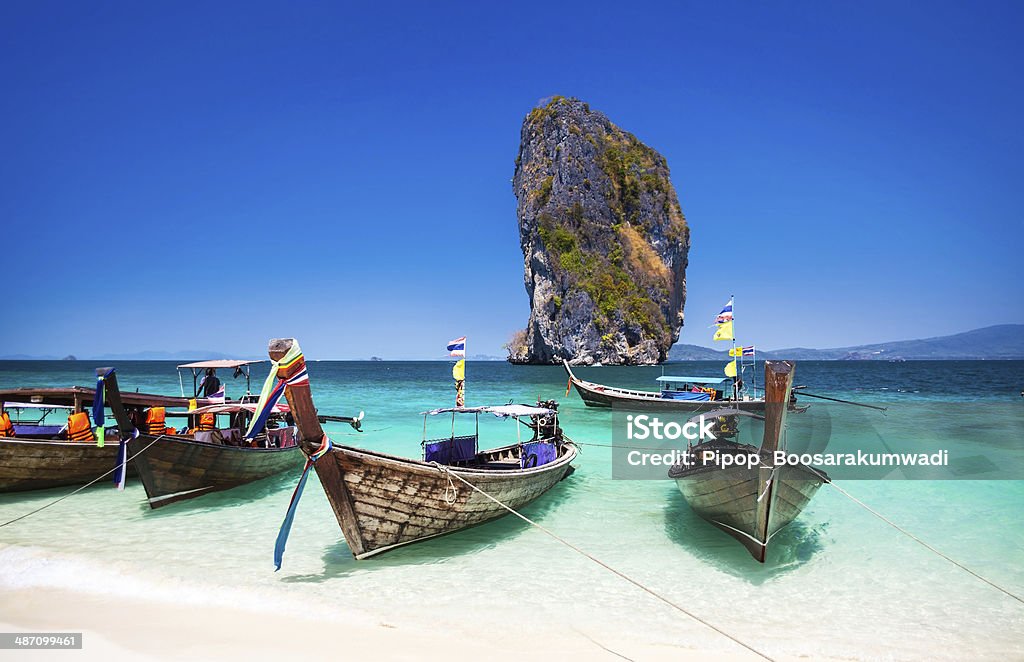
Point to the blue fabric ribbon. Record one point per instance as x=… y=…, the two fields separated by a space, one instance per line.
x=286 y=525
x=97 y=401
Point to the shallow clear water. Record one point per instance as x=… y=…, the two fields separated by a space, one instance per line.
x=838 y=582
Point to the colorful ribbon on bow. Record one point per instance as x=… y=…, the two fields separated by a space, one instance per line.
x=289 y=371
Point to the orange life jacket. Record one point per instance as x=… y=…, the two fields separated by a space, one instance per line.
x=155 y=420
x=79 y=427
x=207 y=422
x=6 y=427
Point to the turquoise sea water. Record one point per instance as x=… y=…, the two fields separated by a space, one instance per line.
x=838 y=582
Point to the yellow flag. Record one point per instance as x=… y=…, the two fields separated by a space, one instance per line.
x=724 y=332
x=459 y=370
x=730 y=368
x=736 y=351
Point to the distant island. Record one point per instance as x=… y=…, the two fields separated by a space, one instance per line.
x=604 y=241
x=1003 y=341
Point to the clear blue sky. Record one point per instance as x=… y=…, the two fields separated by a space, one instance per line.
x=208 y=175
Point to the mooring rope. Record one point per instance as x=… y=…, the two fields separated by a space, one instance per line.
x=923 y=543
x=621 y=446
x=607 y=567
x=91 y=482
x=451 y=489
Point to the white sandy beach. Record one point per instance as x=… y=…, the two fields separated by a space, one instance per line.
x=121 y=630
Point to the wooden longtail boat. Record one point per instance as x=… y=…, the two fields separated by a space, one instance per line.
x=184 y=466
x=751 y=503
x=382 y=501
x=180 y=467
x=678 y=394
x=40 y=456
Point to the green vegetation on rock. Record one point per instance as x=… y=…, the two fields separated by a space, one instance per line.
x=598 y=217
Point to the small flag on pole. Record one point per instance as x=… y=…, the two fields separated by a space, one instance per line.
x=457 y=347
x=736 y=351
x=726 y=314
x=748 y=351
x=730 y=368
x=459 y=370
x=724 y=332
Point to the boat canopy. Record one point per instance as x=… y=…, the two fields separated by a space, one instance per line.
x=240 y=367
x=695 y=380
x=501 y=411
x=219 y=363
x=34 y=405
x=80 y=396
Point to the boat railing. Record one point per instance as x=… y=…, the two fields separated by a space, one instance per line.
x=642 y=394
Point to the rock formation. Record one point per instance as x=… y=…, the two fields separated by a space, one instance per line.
x=604 y=241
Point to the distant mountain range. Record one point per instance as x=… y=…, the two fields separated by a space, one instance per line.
x=199 y=355
x=183 y=355
x=1003 y=341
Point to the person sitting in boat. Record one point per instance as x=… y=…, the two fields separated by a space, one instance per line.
x=210 y=383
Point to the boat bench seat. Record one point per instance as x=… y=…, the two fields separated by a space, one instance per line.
x=40 y=431
x=500 y=465
x=451 y=450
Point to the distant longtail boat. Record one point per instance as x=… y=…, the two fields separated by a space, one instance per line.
x=682 y=393
x=214 y=452
x=42 y=455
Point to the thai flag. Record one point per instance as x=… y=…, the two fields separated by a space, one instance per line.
x=748 y=351
x=217 y=397
x=457 y=347
x=726 y=314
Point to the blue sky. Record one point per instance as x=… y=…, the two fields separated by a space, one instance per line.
x=208 y=175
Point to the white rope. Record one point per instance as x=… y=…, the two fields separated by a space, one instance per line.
x=91 y=482
x=923 y=543
x=607 y=567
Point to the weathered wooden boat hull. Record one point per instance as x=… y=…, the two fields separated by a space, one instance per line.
x=750 y=501
x=176 y=468
x=728 y=498
x=599 y=395
x=39 y=464
x=383 y=502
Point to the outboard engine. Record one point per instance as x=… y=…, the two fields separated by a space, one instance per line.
x=547 y=425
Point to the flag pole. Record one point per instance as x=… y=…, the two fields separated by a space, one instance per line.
x=735 y=391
